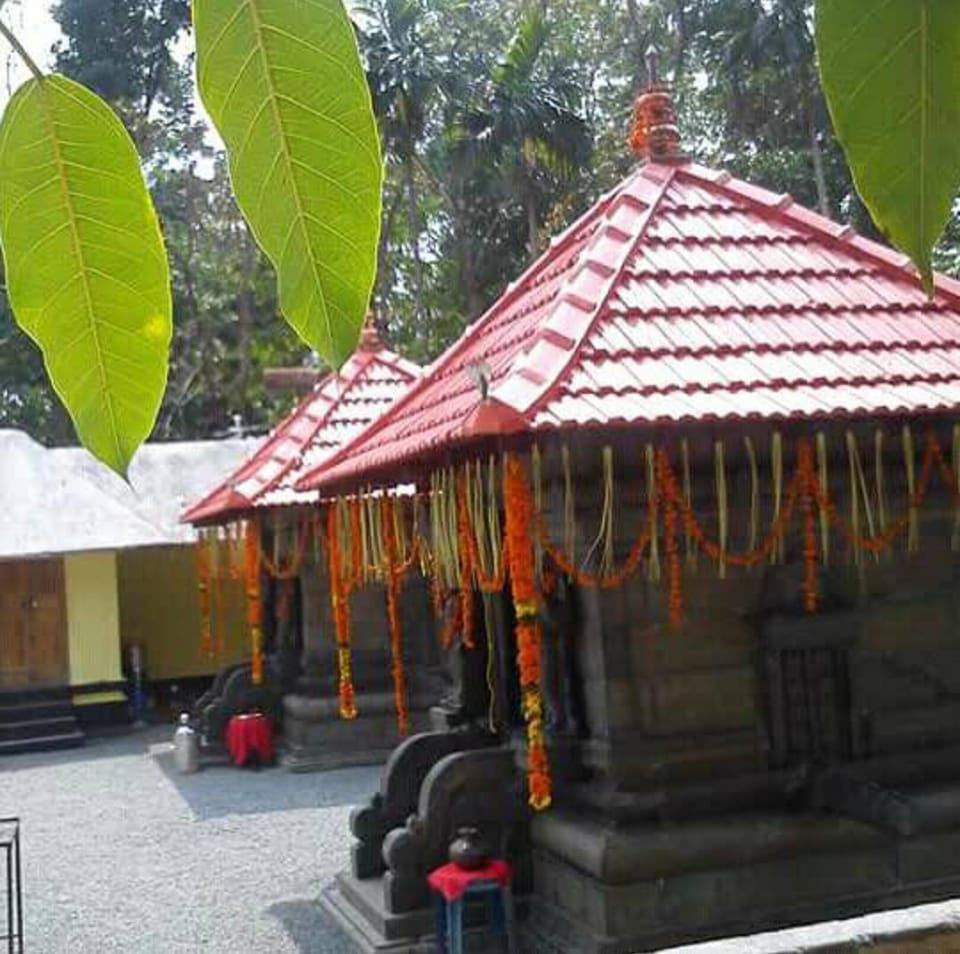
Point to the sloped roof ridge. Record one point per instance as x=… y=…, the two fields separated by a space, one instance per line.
x=514 y=290
x=341 y=384
x=784 y=207
x=581 y=300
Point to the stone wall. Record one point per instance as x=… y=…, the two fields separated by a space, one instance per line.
x=665 y=705
x=370 y=637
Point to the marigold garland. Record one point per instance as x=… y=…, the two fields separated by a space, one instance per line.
x=289 y=570
x=220 y=615
x=520 y=528
x=466 y=553
x=392 y=580
x=203 y=593
x=254 y=603
x=668 y=490
x=808 y=482
x=806 y=488
x=585 y=578
x=340 y=607
x=451 y=626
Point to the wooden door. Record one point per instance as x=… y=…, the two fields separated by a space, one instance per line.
x=33 y=624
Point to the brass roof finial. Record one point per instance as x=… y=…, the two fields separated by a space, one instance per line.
x=655 y=134
x=652 y=58
x=370 y=335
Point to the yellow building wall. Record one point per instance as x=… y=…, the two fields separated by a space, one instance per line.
x=159 y=609
x=93 y=624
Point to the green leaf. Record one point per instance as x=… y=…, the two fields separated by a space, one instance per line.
x=86 y=269
x=283 y=83
x=891 y=73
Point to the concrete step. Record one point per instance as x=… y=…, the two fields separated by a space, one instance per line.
x=62 y=724
x=49 y=743
x=27 y=711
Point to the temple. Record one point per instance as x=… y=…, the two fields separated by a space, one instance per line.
x=258 y=534
x=692 y=484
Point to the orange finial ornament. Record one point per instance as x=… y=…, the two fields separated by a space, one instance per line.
x=655 y=134
x=370 y=336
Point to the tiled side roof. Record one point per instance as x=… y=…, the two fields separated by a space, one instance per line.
x=685 y=296
x=338 y=409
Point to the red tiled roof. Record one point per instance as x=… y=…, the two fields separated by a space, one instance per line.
x=684 y=295
x=338 y=409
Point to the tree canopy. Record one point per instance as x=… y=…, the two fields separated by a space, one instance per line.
x=500 y=120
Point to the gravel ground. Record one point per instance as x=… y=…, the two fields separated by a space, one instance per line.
x=122 y=854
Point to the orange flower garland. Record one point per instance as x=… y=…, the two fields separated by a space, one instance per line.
x=519 y=529
x=254 y=605
x=203 y=594
x=392 y=579
x=587 y=579
x=219 y=604
x=466 y=552
x=291 y=568
x=804 y=489
x=340 y=606
x=668 y=491
x=805 y=466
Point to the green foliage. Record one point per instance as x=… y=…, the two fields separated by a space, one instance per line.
x=124 y=52
x=227 y=327
x=284 y=86
x=86 y=269
x=891 y=72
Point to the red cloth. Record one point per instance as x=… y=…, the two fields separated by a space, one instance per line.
x=452 y=882
x=249 y=734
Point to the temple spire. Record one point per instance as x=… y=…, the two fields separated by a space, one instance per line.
x=655 y=135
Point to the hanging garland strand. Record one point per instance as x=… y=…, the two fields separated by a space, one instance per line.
x=340 y=606
x=808 y=483
x=392 y=581
x=203 y=592
x=219 y=647
x=289 y=569
x=670 y=495
x=465 y=553
x=520 y=528
x=254 y=603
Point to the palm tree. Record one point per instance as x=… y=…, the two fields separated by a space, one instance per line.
x=526 y=119
x=403 y=76
x=772 y=40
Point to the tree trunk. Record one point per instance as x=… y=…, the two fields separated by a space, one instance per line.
x=533 y=225
x=383 y=253
x=466 y=266
x=413 y=223
x=245 y=321
x=816 y=154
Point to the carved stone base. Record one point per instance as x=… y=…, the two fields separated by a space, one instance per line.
x=318 y=739
x=611 y=890
x=358 y=910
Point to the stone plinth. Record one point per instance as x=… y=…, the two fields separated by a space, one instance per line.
x=317 y=738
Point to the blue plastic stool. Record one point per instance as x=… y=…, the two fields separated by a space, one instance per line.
x=491 y=883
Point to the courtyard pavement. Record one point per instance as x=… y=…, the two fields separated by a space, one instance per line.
x=122 y=854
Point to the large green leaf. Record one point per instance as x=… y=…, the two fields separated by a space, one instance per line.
x=86 y=269
x=283 y=82
x=891 y=73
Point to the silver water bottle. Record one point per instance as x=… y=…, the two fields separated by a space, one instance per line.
x=186 y=747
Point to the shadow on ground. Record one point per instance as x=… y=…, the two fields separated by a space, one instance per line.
x=310 y=929
x=219 y=790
